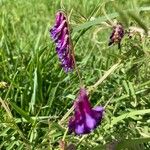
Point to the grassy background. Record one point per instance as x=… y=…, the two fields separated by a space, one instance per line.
x=38 y=93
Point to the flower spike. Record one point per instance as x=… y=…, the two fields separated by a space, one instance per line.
x=61 y=36
x=85 y=118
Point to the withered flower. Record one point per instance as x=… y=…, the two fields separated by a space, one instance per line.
x=117 y=35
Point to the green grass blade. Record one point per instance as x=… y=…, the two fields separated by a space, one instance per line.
x=115 y=120
x=102 y=19
x=34 y=95
x=21 y=112
x=94 y=22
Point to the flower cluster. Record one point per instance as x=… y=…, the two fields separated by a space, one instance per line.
x=85 y=117
x=117 y=35
x=61 y=36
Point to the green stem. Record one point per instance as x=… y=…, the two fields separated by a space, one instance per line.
x=107 y=73
x=64 y=136
x=112 y=69
x=77 y=69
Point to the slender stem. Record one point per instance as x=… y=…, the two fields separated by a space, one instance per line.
x=112 y=69
x=66 y=115
x=82 y=138
x=73 y=55
x=76 y=68
x=109 y=100
x=64 y=136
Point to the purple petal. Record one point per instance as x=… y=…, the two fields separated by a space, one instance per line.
x=63 y=43
x=58 y=18
x=79 y=129
x=61 y=38
x=90 y=122
x=99 y=108
x=55 y=31
x=85 y=118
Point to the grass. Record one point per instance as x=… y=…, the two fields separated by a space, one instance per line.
x=35 y=93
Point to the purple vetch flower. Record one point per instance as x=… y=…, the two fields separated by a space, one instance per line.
x=85 y=117
x=61 y=36
x=117 y=35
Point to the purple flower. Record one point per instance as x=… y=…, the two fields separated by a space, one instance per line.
x=117 y=35
x=85 y=118
x=61 y=36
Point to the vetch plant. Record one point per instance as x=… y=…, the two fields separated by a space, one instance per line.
x=85 y=118
x=44 y=105
x=64 y=108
